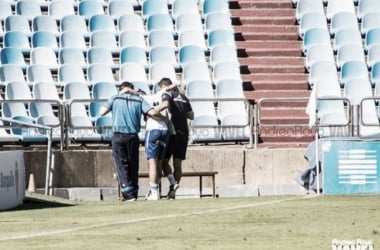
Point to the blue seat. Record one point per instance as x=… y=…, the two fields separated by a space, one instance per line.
x=103 y=90
x=27 y=134
x=13 y=109
x=44 y=39
x=104 y=127
x=367 y=6
x=221 y=37
x=89 y=8
x=315 y=36
x=349 y=52
x=373 y=55
x=134 y=55
x=347 y=36
x=102 y=22
x=162 y=21
x=17 y=23
x=353 y=70
x=13 y=56
x=193 y=37
x=372 y=37
x=152 y=7
x=17 y=39
x=101 y=55
x=190 y=54
x=212 y=6
x=28 y=9
x=370 y=21
x=375 y=74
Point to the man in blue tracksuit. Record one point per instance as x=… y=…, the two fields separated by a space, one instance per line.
x=127 y=109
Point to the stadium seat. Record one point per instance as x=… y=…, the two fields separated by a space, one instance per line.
x=76 y=91
x=217 y=21
x=103 y=90
x=44 y=56
x=357 y=89
x=375 y=74
x=130 y=22
x=13 y=56
x=74 y=23
x=45 y=39
x=338 y=6
x=323 y=70
x=226 y=70
x=26 y=134
x=153 y=7
x=89 y=8
x=159 y=70
x=5 y=136
x=161 y=38
x=104 y=128
x=45 y=23
x=204 y=128
x=221 y=37
x=72 y=39
x=233 y=113
x=82 y=129
x=211 y=6
x=10 y=110
x=311 y=20
x=134 y=55
x=349 y=52
x=5 y=10
x=191 y=54
x=188 y=22
x=39 y=73
x=305 y=6
x=343 y=20
x=50 y=121
x=319 y=52
x=199 y=89
x=17 y=39
x=106 y=39
x=45 y=91
x=373 y=55
x=118 y=8
x=184 y=7
x=132 y=38
x=70 y=73
x=101 y=22
x=72 y=56
x=100 y=55
x=223 y=53
x=229 y=88
x=367 y=6
x=353 y=70
x=370 y=21
x=17 y=23
x=163 y=54
x=347 y=36
x=100 y=73
x=60 y=9
x=315 y=36
x=132 y=72
x=161 y=21
x=192 y=37
x=11 y=73
x=372 y=37
x=28 y=9
x=17 y=91
x=195 y=71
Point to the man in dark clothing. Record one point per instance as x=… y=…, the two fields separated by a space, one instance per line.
x=180 y=109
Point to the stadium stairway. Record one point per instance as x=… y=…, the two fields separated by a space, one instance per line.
x=272 y=66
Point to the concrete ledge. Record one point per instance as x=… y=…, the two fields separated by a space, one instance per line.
x=238 y=191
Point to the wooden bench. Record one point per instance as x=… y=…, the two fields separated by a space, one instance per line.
x=199 y=174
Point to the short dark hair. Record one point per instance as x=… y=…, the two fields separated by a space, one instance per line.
x=165 y=82
x=126 y=85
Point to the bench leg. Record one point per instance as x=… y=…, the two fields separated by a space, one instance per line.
x=213 y=186
x=200 y=186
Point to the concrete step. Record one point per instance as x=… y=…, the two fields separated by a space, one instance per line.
x=268 y=68
x=235 y=4
x=256 y=95
x=276 y=112
x=274 y=61
x=278 y=77
x=277 y=29
x=287 y=120
x=263 y=12
x=284 y=85
x=247 y=20
x=255 y=36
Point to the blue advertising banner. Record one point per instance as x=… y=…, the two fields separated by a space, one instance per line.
x=350 y=167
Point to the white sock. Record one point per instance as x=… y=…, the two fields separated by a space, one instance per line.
x=172 y=179
x=153 y=187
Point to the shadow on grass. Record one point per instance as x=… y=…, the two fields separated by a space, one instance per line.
x=41 y=201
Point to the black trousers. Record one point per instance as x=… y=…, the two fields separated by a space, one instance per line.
x=125 y=148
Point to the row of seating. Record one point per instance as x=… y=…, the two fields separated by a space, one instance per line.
x=115 y=8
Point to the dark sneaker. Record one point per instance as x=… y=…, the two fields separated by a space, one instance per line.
x=172 y=190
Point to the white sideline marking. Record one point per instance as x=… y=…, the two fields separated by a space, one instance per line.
x=70 y=230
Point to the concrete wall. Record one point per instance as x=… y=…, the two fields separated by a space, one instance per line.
x=242 y=171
